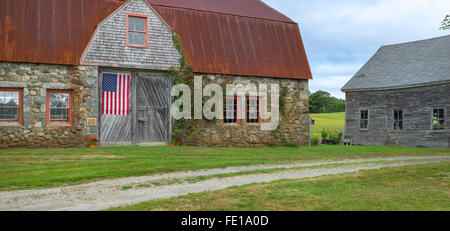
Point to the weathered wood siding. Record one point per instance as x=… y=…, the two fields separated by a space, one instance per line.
x=153 y=108
x=149 y=118
x=116 y=130
x=109 y=45
x=417 y=105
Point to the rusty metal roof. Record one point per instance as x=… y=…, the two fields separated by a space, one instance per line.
x=247 y=8
x=49 y=31
x=239 y=37
x=237 y=45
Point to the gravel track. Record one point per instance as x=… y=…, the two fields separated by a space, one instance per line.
x=109 y=193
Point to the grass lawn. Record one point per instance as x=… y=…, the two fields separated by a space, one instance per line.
x=329 y=121
x=43 y=168
x=411 y=188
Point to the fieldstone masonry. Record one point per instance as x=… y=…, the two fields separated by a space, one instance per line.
x=293 y=126
x=35 y=80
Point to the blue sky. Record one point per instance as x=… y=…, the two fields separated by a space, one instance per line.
x=341 y=35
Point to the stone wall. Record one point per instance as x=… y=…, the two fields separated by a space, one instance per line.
x=35 y=80
x=293 y=127
x=109 y=46
x=416 y=103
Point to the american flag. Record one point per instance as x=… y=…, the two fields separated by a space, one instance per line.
x=115 y=90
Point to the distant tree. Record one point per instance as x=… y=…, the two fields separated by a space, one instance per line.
x=446 y=23
x=323 y=102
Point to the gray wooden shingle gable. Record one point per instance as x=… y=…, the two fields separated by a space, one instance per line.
x=405 y=65
x=108 y=46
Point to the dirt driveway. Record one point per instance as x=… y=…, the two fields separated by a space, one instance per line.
x=131 y=190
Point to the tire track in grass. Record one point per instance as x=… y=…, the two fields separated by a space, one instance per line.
x=106 y=194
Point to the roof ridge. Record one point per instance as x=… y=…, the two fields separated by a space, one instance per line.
x=404 y=64
x=417 y=41
x=231 y=14
x=276 y=11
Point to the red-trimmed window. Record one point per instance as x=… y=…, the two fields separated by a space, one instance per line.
x=11 y=106
x=253 y=113
x=230 y=111
x=59 y=107
x=137 y=30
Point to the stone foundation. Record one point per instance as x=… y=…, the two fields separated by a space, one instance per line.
x=293 y=127
x=35 y=80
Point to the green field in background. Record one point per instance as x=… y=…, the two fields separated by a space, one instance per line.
x=329 y=121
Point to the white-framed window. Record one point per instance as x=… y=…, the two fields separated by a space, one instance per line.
x=364 y=119
x=398 y=119
x=438 y=120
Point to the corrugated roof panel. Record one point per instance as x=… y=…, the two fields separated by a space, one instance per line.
x=237 y=37
x=238 y=45
x=49 y=31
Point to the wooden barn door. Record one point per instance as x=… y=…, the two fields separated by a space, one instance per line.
x=115 y=130
x=149 y=119
x=153 y=109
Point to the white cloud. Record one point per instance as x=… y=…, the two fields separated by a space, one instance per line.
x=385 y=21
x=333 y=69
x=331 y=84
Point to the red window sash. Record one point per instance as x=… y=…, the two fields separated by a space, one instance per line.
x=237 y=111
x=20 y=108
x=69 y=116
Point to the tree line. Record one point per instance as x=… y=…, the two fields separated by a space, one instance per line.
x=323 y=102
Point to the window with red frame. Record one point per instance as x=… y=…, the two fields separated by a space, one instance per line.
x=253 y=110
x=230 y=111
x=59 y=107
x=137 y=30
x=10 y=106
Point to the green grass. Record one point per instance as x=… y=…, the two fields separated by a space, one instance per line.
x=196 y=179
x=411 y=188
x=44 y=168
x=330 y=121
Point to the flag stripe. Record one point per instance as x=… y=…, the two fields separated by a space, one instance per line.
x=118 y=97
x=107 y=102
x=111 y=103
x=115 y=97
x=103 y=103
x=127 y=94
x=123 y=95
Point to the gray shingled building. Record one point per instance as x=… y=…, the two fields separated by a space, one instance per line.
x=401 y=96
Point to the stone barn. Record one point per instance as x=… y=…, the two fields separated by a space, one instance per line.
x=75 y=70
x=401 y=96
